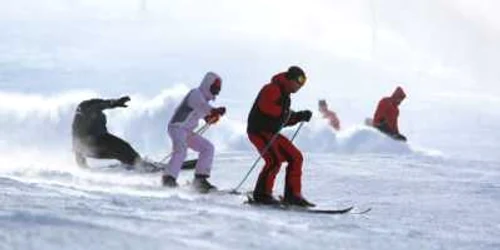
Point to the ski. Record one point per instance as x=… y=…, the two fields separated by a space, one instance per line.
x=233 y=192
x=292 y=208
x=362 y=211
x=328 y=211
x=152 y=166
x=347 y=210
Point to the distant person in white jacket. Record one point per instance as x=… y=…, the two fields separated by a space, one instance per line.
x=180 y=128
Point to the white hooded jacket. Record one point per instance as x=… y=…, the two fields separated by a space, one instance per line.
x=195 y=105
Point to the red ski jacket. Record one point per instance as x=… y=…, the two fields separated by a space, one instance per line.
x=387 y=111
x=271 y=108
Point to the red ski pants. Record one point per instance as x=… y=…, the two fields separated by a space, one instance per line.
x=281 y=150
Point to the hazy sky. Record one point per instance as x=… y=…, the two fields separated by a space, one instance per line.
x=54 y=53
x=354 y=46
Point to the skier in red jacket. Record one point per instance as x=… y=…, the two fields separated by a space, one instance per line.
x=270 y=113
x=386 y=115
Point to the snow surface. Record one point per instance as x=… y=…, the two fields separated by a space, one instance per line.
x=418 y=202
x=439 y=191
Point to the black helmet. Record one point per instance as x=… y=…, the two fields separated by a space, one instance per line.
x=294 y=72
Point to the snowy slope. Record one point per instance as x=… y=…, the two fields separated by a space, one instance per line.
x=418 y=203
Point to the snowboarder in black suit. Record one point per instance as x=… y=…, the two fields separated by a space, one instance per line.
x=91 y=137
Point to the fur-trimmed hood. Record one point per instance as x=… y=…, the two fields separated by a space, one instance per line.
x=205 y=84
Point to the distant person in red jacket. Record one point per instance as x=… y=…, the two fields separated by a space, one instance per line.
x=270 y=113
x=386 y=115
x=333 y=120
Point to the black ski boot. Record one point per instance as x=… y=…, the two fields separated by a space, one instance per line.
x=295 y=200
x=260 y=196
x=168 y=181
x=265 y=199
x=299 y=201
x=202 y=185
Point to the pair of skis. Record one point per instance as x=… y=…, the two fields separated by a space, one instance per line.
x=287 y=207
x=292 y=208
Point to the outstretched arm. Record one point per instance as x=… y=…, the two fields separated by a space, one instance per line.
x=101 y=104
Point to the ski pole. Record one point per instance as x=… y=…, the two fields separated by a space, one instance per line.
x=235 y=190
x=297 y=131
x=200 y=131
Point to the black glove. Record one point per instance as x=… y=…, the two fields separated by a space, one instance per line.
x=304 y=115
x=121 y=102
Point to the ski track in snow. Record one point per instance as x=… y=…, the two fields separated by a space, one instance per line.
x=418 y=203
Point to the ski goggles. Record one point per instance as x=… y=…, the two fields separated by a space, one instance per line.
x=301 y=80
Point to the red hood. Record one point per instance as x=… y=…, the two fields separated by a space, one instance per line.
x=398 y=93
x=281 y=79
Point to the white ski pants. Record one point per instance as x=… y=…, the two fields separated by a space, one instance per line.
x=183 y=139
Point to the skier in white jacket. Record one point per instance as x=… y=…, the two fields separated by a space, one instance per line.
x=180 y=128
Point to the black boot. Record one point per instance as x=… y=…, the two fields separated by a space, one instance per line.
x=294 y=200
x=260 y=196
x=168 y=181
x=201 y=183
x=264 y=199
